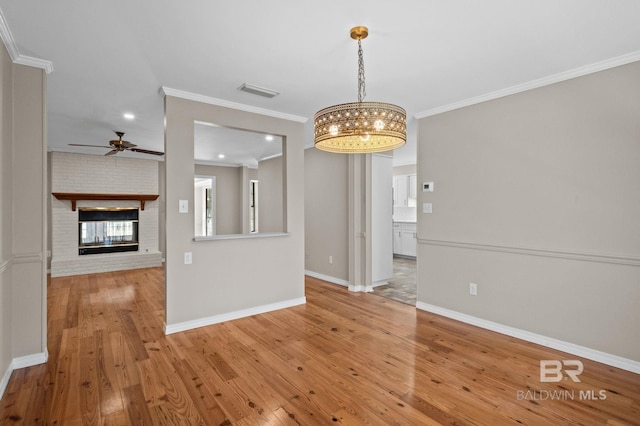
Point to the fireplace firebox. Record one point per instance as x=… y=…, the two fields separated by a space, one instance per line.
x=107 y=230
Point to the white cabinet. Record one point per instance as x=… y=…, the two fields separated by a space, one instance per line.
x=404 y=191
x=413 y=187
x=405 y=239
x=400 y=191
x=397 y=238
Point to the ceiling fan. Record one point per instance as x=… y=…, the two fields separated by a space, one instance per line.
x=118 y=145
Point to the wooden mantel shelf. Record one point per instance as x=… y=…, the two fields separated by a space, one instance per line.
x=74 y=196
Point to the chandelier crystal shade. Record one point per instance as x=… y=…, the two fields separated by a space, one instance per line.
x=360 y=127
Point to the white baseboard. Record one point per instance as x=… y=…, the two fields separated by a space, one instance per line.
x=202 y=322
x=361 y=288
x=30 y=360
x=21 y=362
x=5 y=379
x=550 y=342
x=379 y=283
x=327 y=278
x=334 y=280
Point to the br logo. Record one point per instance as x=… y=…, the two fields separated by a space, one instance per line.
x=551 y=370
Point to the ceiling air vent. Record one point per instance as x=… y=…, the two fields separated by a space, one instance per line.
x=260 y=91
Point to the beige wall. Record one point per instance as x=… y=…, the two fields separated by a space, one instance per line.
x=326 y=213
x=270 y=197
x=6 y=212
x=29 y=198
x=22 y=217
x=537 y=202
x=230 y=275
x=228 y=202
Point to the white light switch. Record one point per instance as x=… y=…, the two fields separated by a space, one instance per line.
x=183 y=206
x=427 y=208
x=187 y=258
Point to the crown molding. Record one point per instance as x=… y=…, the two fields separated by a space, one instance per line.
x=14 y=53
x=534 y=84
x=7 y=38
x=167 y=91
x=47 y=66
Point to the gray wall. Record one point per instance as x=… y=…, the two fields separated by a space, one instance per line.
x=537 y=201
x=228 y=202
x=235 y=274
x=23 y=227
x=6 y=211
x=326 y=213
x=270 y=215
x=29 y=198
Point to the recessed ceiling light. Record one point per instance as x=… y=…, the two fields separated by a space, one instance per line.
x=220 y=155
x=269 y=138
x=128 y=116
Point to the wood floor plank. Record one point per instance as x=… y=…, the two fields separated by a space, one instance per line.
x=342 y=358
x=90 y=398
x=137 y=408
x=203 y=399
x=109 y=391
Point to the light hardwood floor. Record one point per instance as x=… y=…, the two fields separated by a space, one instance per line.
x=348 y=358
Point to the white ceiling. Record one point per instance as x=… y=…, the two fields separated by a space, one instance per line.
x=111 y=57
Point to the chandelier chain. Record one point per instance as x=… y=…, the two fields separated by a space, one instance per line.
x=361 y=87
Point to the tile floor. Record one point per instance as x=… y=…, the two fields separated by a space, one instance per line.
x=402 y=287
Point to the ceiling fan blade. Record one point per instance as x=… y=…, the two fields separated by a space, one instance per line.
x=112 y=152
x=95 y=146
x=128 y=144
x=146 y=151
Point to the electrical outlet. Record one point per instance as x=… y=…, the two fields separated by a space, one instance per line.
x=331 y=260
x=187 y=258
x=473 y=289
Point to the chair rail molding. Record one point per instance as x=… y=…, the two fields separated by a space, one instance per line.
x=561 y=254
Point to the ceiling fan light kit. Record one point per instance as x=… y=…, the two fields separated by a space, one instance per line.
x=360 y=127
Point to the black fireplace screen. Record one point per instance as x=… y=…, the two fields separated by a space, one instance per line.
x=107 y=230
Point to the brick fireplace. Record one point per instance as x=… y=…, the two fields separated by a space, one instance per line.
x=95 y=174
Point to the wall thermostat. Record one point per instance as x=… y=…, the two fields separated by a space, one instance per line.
x=427 y=187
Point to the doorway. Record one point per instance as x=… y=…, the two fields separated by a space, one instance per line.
x=204 y=202
x=402 y=286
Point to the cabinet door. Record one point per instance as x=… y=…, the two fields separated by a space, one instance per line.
x=400 y=191
x=413 y=188
x=397 y=240
x=408 y=242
